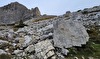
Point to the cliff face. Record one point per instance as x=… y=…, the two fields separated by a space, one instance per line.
x=35 y=12
x=14 y=12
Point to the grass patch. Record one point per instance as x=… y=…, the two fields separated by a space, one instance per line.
x=91 y=49
x=5 y=56
x=43 y=18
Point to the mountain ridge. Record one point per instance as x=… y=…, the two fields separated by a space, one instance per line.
x=15 y=12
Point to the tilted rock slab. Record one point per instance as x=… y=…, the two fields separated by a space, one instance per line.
x=44 y=49
x=68 y=33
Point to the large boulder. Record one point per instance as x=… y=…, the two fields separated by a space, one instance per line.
x=68 y=33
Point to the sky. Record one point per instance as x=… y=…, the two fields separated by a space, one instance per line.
x=55 y=7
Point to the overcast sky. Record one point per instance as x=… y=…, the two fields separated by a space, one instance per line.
x=55 y=7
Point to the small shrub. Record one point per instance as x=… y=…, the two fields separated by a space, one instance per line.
x=5 y=56
x=78 y=10
x=43 y=18
x=84 y=12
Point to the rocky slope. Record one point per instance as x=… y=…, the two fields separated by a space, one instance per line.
x=44 y=39
x=47 y=38
x=88 y=16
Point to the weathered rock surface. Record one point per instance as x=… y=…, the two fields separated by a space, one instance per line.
x=14 y=12
x=18 y=51
x=44 y=49
x=30 y=48
x=68 y=33
x=88 y=16
x=35 y=12
x=3 y=44
x=47 y=39
x=2 y=52
x=50 y=38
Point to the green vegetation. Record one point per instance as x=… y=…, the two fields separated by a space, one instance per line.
x=91 y=49
x=20 y=24
x=94 y=34
x=5 y=56
x=84 y=12
x=43 y=18
x=79 y=11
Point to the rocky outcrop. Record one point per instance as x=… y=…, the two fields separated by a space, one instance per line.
x=88 y=16
x=44 y=49
x=45 y=39
x=50 y=38
x=35 y=12
x=14 y=12
x=68 y=33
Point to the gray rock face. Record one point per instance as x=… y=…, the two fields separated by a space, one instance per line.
x=2 y=42
x=48 y=39
x=35 y=12
x=14 y=12
x=68 y=33
x=44 y=49
x=2 y=52
x=18 y=51
x=88 y=16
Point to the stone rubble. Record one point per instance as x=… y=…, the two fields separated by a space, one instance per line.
x=45 y=39
x=88 y=16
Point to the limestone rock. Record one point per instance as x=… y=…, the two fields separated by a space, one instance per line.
x=27 y=40
x=24 y=41
x=46 y=29
x=13 y=12
x=3 y=43
x=2 y=52
x=68 y=33
x=32 y=56
x=44 y=49
x=18 y=51
x=30 y=48
x=35 y=12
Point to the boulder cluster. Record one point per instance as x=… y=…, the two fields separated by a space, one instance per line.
x=44 y=39
x=47 y=38
x=88 y=16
